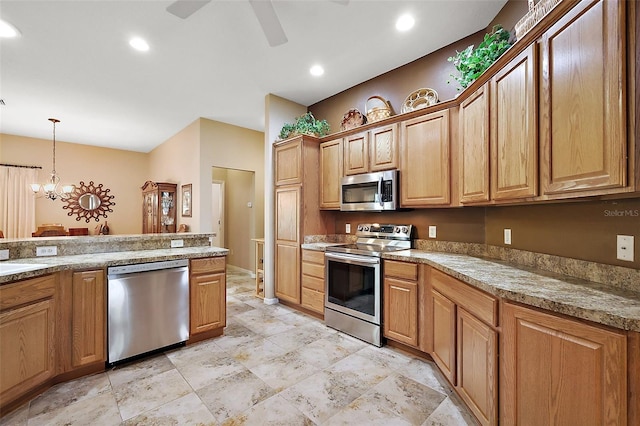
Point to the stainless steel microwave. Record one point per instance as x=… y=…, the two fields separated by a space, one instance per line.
x=373 y=192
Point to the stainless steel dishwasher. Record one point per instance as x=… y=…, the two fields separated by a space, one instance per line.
x=148 y=307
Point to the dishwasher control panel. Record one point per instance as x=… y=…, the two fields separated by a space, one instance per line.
x=145 y=267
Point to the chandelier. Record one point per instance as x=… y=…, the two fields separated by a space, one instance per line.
x=51 y=188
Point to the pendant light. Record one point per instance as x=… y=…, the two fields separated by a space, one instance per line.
x=51 y=188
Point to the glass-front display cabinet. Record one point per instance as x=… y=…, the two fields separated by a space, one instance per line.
x=158 y=207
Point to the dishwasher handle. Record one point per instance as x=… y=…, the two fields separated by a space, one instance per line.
x=146 y=267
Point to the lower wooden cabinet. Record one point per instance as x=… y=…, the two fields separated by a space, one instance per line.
x=401 y=313
x=88 y=319
x=465 y=342
x=560 y=371
x=27 y=336
x=312 y=292
x=207 y=298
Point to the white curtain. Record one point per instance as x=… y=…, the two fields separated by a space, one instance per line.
x=17 y=202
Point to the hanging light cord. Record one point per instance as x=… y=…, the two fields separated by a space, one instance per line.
x=54 y=121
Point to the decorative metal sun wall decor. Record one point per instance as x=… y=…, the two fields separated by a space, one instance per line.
x=89 y=202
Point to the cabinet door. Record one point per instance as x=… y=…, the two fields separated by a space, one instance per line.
x=88 y=318
x=583 y=123
x=560 y=371
x=27 y=352
x=287 y=214
x=474 y=147
x=401 y=311
x=287 y=265
x=444 y=335
x=330 y=174
x=477 y=360
x=383 y=148
x=356 y=154
x=207 y=302
x=150 y=221
x=287 y=159
x=424 y=160
x=514 y=135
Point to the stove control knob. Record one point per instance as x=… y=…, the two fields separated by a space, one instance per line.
x=405 y=229
x=365 y=228
x=396 y=229
x=360 y=227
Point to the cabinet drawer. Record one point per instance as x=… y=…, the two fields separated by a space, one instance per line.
x=313 y=283
x=209 y=264
x=404 y=270
x=313 y=256
x=313 y=270
x=480 y=304
x=313 y=300
x=27 y=291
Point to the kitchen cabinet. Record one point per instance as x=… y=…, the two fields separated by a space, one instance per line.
x=424 y=160
x=297 y=211
x=27 y=333
x=88 y=320
x=331 y=172
x=372 y=151
x=207 y=297
x=158 y=207
x=313 y=290
x=514 y=128
x=401 y=315
x=583 y=133
x=474 y=147
x=556 y=370
x=465 y=342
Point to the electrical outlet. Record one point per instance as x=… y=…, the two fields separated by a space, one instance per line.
x=625 y=247
x=432 y=231
x=347 y=228
x=177 y=243
x=507 y=236
x=4 y=254
x=47 y=251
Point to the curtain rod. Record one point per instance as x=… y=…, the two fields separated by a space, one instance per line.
x=23 y=167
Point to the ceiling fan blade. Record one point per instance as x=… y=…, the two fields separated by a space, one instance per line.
x=269 y=22
x=185 y=8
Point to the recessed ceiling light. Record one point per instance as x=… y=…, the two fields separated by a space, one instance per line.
x=405 y=23
x=139 y=44
x=7 y=30
x=316 y=70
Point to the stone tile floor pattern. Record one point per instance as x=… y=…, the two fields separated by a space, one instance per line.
x=272 y=366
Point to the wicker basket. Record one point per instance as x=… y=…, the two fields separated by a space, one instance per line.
x=536 y=13
x=377 y=113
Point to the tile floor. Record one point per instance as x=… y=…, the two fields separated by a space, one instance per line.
x=273 y=366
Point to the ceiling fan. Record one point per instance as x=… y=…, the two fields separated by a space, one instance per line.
x=263 y=10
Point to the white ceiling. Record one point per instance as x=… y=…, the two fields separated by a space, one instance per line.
x=73 y=61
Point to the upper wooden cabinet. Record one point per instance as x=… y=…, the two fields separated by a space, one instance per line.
x=583 y=100
x=514 y=128
x=474 y=147
x=424 y=160
x=371 y=151
x=158 y=207
x=331 y=171
x=560 y=371
x=288 y=163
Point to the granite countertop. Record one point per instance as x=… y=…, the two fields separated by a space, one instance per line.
x=52 y=264
x=575 y=297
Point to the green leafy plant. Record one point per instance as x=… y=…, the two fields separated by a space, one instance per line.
x=306 y=124
x=471 y=62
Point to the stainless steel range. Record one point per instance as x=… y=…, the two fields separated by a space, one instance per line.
x=353 y=280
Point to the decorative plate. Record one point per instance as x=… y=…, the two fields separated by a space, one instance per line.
x=421 y=98
x=353 y=118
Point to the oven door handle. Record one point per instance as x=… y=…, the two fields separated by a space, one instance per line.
x=356 y=260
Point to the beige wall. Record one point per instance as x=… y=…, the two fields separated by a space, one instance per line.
x=123 y=172
x=239 y=190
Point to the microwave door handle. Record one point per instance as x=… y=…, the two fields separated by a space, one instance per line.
x=380 y=192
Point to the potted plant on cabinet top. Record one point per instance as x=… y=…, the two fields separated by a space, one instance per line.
x=471 y=62
x=306 y=124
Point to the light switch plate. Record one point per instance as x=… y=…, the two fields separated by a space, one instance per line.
x=47 y=251
x=432 y=231
x=625 y=248
x=4 y=254
x=177 y=243
x=507 y=236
